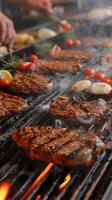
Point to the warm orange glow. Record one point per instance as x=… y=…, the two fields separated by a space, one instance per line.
x=66 y=181
x=38 y=197
x=37 y=181
x=4 y=190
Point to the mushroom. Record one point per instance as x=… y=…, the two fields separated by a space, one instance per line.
x=81 y=86
x=100 y=88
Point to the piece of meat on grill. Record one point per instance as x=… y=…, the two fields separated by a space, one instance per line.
x=27 y=137
x=72 y=112
x=64 y=147
x=10 y=104
x=58 y=66
x=30 y=83
x=77 y=55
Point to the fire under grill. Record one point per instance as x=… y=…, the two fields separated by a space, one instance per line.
x=24 y=179
x=36 y=180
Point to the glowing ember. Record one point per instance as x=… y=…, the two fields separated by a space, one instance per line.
x=66 y=181
x=38 y=197
x=37 y=181
x=4 y=190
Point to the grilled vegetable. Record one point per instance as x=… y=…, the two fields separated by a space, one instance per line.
x=81 y=85
x=100 y=88
x=89 y=71
x=45 y=33
x=69 y=42
x=33 y=57
x=76 y=42
x=99 y=76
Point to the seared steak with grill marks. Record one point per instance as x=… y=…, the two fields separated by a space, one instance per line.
x=81 y=56
x=30 y=83
x=64 y=147
x=10 y=104
x=58 y=66
x=78 y=112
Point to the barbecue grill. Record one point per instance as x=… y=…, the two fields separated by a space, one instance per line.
x=24 y=179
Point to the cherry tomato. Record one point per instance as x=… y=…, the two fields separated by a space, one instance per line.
x=105 y=80
x=50 y=53
x=109 y=82
x=21 y=65
x=25 y=65
x=66 y=27
x=69 y=42
x=100 y=76
x=33 y=58
x=31 y=66
x=76 y=42
x=4 y=83
x=89 y=71
x=56 y=48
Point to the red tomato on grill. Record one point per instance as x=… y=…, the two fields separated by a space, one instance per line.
x=89 y=71
x=33 y=57
x=76 y=42
x=4 y=83
x=100 y=76
x=69 y=42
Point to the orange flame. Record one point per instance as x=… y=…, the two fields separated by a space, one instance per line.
x=37 y=181
x=4 y=190
x=38 y=197
x=66 y=181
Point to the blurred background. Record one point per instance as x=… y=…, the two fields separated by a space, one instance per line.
x=63 y=8
x=24 y=18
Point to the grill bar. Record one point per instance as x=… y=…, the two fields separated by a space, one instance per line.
x=99 y=174
x=36 y=190
x=39 y=180
x=108 y=194
x=54 y=187
x=27 y=184
x=83 y=187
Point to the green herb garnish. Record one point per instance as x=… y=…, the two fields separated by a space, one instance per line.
x=43 y=48
x=11 y=63
x=69 y=34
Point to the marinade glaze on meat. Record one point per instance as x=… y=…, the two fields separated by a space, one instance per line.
x=10 y=104
x=65 y=147
x=82 y=56
x=58 y=66
x=30 y=83
x=73 y=112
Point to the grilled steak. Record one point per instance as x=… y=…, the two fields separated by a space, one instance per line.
x=30 y=83
x=73 y=112
x=81 y=56
x=65 y=147
x=58 y=66
x=10 y=104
